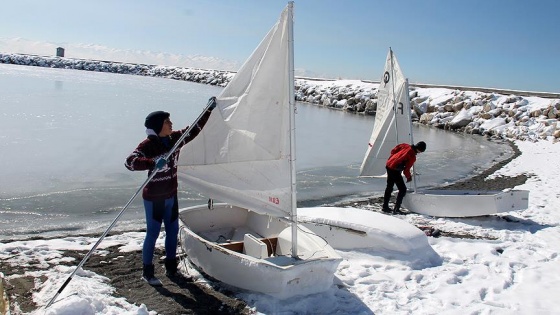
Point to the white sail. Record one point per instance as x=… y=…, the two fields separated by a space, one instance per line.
x=242 y=155
x=392 y=126
x=392 y=119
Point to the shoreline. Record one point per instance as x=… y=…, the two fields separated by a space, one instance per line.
x=505 y=114
x=207 y=76
x=182 y=294
x=477 y=181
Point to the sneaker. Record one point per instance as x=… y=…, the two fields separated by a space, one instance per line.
x=153 y=281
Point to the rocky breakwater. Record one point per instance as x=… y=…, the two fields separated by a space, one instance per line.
x=475 y=112
x=491 y=112
x=212 y=77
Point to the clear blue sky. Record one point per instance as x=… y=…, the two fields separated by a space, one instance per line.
x=513 y=44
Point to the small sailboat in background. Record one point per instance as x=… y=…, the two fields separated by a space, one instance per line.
x=393 y=125
x=245 y=156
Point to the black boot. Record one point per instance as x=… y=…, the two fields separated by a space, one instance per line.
x=170 y=267
x=148 y=276
x=385 y=207
x=398 y=202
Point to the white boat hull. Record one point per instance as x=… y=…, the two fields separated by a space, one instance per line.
x=214 y=242
x=382 y=235
x=465 y=203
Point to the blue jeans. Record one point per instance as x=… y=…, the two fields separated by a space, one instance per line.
x=159 y=211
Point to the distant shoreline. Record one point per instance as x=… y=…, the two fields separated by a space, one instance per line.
x=496 y=113
x=226 y=75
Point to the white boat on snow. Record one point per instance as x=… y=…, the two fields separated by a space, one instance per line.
x=393 y=125
x=372 y=232
x=245 y=157
x=465 y=203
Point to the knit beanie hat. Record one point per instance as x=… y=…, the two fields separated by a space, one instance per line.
x=155 y=120
x=421 y=146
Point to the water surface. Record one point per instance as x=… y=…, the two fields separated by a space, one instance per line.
x=64 y=135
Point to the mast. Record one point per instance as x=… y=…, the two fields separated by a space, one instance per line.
x=407 y=112
x=394 y=99
x=292 y=110
x=407 y=105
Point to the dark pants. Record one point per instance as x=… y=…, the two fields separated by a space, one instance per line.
x=165 y=211
x=394 y=177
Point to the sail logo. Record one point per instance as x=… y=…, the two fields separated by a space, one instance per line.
x=386 y=77
x=274 y=200
x=400 y=108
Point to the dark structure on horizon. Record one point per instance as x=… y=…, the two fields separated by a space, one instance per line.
x=60 y=52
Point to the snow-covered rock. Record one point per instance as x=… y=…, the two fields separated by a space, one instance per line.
x=525 y=117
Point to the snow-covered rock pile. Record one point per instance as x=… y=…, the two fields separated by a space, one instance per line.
x=213 y=77
x=478 y=112
x=475 y=112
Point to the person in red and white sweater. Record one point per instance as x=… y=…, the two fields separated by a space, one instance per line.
x=400 y=161
x=160 y=194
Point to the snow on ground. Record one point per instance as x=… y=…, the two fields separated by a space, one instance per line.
x=512 y=269
x=87 y=292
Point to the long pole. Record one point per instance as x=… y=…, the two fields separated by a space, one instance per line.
x=86 y=257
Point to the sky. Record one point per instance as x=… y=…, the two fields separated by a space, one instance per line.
x=509 y=44
x=510 y=267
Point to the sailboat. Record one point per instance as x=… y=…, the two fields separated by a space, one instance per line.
x=393 y=125
x=245 y=158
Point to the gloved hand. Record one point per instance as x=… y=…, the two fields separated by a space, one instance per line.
x=408 y=179
x=160 y=163
x=212 y=103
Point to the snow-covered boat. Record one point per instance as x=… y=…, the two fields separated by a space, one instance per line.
x=378 y=234
x=393 y=125
x=245 y=157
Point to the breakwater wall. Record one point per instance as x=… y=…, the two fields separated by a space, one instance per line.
x=523 y=115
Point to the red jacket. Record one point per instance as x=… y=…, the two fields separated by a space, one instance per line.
x=402 y=158
x=164 y=184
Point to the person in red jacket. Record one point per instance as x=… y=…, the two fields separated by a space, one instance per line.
x=160 y=194
x=401 y=160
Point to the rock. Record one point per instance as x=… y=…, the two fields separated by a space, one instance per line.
x=462 y=119
x=371 y=107
x=536 y=113
x=458 y=106
x=340 y=104
x=488 y=107
x=448 y=108
x=426 y=118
